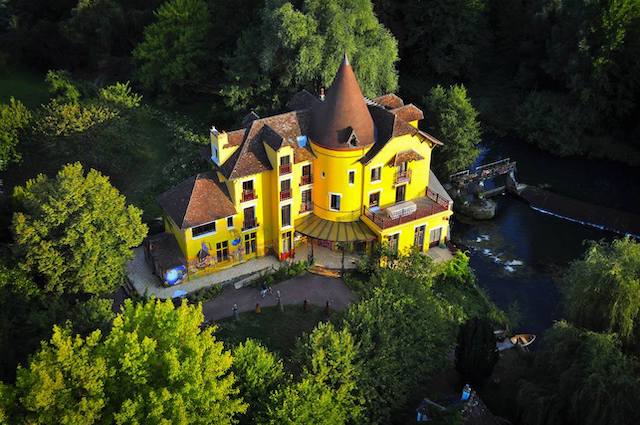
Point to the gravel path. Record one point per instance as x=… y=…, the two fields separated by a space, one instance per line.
x=316 y=289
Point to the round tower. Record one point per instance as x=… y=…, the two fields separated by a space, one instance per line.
x=342 y=131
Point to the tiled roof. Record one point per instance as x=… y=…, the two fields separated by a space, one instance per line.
x=251 y=158
x=302 y=100
x=408 y=113
x=389 y=101
x=406 y=156
x=342 y=114
x=235 y=138
x=197 y=200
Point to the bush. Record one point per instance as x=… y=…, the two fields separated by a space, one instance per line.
x=14 y=117
x=205 y=294
x=61 y=86
x=64 y=119
x=120 y=95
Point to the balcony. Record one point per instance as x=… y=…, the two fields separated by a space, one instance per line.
x=403 y=177
x=248 y=195
x=428 y=205
x=306 y=207
x=249 y=224
x=285 y=194
x=285 y=169
x=305 y=179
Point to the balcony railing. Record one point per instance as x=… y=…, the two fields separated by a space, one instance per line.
x=305 y=179
x=306 y=207
x=425 y=209
x=248 y=195
x=249 y=224
x=285 y=194
x=403 y=177
x=285 y=168
x=435 y=197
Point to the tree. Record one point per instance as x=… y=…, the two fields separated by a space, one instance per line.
x=172 y=56
x=295 y=48
x=156 y=366
x=62 y=87
x=121 y=95
x=441 y=37
x=580 y=377
x=602 y=289
x=14 y=118
x=259 y=373
x=75 y=232
x=455 y=121
x=476 y=352
x=403 y=333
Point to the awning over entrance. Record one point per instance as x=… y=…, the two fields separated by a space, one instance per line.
x=319 y=228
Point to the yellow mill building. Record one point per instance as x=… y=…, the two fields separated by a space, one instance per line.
x=338 y=172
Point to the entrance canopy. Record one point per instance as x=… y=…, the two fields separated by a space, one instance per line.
x=318 y=228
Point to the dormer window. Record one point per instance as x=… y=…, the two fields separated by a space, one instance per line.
x=353 y=140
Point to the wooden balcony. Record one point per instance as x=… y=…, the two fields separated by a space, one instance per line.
x=306 y=207
x=249 y=224
x=248 y=195
x=285 y=169
x=305 y=179
x=428 y=205
x=285 y=194
x=403 y=177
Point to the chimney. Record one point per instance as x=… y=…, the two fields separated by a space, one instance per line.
x=322 y=93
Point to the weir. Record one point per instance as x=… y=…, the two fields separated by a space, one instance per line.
x=546 y=202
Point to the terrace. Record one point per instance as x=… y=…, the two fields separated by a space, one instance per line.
x=406 y=211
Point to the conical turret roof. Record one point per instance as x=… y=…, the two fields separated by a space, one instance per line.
x=342 y=121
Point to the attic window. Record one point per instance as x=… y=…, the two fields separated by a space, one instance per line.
x=353 y=140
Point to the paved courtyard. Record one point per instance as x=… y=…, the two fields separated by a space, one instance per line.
x=144 y=281
x=316 y=289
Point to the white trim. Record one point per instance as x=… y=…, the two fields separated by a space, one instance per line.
x=349 y=176
x=289 y=227
x=415 y=226
x=204 y=235
x=287 y=201
x=285 y=176
x=306 y=186
x=340 y=202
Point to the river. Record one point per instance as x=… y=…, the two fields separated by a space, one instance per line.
x=519 y=255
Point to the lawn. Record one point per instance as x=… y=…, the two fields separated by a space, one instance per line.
x=27 y=86
x=277 y=330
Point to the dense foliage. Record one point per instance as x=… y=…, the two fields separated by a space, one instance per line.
x=453 y=120
x=14 y=118
x=155 y=366
x=172 y=56
x=476 y=353
x=75 y=232
x=602 y=289
x=291 y=48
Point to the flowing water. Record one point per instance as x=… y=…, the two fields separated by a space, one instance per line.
x=519 y=255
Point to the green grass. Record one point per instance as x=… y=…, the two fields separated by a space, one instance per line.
x=276 y=330
x=27 y=86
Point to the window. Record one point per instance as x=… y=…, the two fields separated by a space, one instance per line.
x=248 y=185
x=285 y=185
x=401 y=192
x=222 y=251
x=230 y=222
x=249 y=218
x=203 y=230
x=250 y=243
x=286 y=215
x=335 y=202
x=323 y=175
x=352 y=176
x=306 y=170
x=376 y=174
x=393 y=243
x=418 y=238
x=374 y=199
x=284 y=160
x=306 y=201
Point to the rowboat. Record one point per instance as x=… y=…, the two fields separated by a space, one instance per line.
x=523 y=340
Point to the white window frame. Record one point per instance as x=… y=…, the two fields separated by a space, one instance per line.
x=288 y=226
x=369 y=197
x=233 y=222
x=371 y=172
x=339 y=195
x=204 y=235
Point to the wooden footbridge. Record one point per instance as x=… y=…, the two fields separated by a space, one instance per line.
x=599 y=216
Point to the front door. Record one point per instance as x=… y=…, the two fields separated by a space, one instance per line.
x=418 y=238
x=401 y=192
x=434 y=236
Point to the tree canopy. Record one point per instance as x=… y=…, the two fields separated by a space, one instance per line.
x=155 y=366
x=454 y=120
x=172 y=56
x=602 y=289
x=75 y=231
x=14 y=118
x=292 y=48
